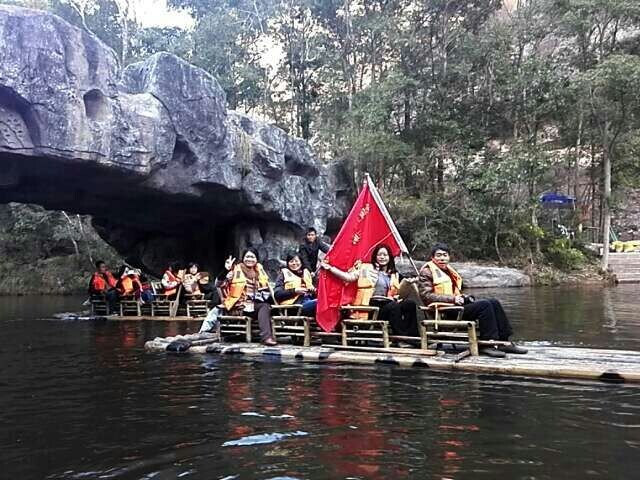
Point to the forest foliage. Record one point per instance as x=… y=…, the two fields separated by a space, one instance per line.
x=464 y=112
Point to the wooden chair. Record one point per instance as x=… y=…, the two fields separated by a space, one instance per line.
x=235 y=324
x=161 y=306
x=317 y=333
x=287 y=320
x=436 y=330
x=197 y=306
x=455 y=332
x=409 y=291
x=99 y=305
x=360 y=330
x=129 y=306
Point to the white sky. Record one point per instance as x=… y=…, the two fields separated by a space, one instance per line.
x=155 y=13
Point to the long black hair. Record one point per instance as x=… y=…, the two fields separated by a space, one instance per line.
x=391 y=266
x=192 y=264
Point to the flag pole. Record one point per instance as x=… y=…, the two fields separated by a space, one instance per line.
x=385 y=213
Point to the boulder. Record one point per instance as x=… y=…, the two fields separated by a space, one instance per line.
x=150 y=151
x=476 y=276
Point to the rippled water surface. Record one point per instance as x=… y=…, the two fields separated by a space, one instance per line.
x=82 y=400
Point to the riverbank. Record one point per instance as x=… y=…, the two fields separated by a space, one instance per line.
x=53 y=276
x=542 y=275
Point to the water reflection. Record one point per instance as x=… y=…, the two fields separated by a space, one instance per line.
x=83 y=400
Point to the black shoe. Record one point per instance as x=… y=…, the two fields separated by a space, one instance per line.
x=492 y=352
x=513 y=348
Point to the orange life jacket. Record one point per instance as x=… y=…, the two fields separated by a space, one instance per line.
x=442 y=283
x=172 y=279
x=101 y=282
x=129 y=285
x=238 y=283
x=367 y=278
x=293 y=281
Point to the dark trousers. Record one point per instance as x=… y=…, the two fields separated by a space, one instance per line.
x=262 y=311
x=401 y=316
x=210 y=293
x=112 y=297
x=491 y=318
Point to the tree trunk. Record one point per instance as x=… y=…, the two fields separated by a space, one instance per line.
x=606 y=197
x=70 y=229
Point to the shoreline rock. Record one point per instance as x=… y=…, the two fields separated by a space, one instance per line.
x=475 y=275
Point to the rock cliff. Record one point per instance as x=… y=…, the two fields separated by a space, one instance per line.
x=150 y=151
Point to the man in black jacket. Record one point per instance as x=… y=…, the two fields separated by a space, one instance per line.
x=308 y=251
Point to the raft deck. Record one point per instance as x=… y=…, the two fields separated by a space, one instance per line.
x=157 y=318
x=614 y=366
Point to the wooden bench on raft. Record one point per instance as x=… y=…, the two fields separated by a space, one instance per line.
x=437 y=330
x=161 y=305
x=99 y=305
x=371 y=330
x=196 y=305
x=286 y=321
x=129 y=306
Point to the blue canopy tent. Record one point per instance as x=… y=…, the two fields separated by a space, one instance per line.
x=557 y=200
x=554 y=203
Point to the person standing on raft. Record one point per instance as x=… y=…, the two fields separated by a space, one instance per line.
x=309 y=249
x=439 y=282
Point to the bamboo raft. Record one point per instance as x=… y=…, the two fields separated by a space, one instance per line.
x=613 y=366
x=157 y=318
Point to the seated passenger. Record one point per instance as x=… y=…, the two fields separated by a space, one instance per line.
x=378 y=284
x=439 y=282
x=129 y=283
x=104 y=283
x=171 y=281
x=102 y=280
x=208 y=288
x=190 y=282
x=145 y=295
x=246 y=287
x=294 y=285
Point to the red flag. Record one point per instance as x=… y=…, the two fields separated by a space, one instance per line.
x=367 y=225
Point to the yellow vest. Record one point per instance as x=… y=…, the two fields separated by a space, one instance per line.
x=238 y=283
x=293 y=281
x=367 y=278
x=442 y=284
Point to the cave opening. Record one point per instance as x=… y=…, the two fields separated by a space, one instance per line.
x=95 y=105
x=18 y=121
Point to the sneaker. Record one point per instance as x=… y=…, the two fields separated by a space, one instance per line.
x=405 y=345
x=513 y=348
x=492 y=352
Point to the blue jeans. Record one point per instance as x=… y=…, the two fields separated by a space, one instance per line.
x=210 y=323
x=309 y=307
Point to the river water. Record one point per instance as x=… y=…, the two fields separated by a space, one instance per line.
x=82 y=400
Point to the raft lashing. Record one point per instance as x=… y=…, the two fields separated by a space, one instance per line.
x=612 y=366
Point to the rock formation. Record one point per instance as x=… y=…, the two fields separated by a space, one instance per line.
x=475 y=275
x=150 y=150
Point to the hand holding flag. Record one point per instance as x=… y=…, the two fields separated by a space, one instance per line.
x=367 y=225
